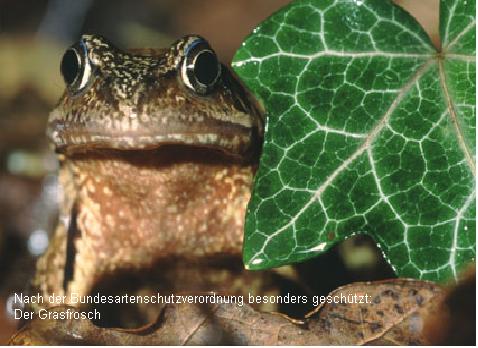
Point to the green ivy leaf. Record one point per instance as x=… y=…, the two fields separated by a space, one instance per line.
x=370 y=130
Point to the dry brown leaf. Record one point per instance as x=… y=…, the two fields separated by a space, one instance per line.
x=393 y=316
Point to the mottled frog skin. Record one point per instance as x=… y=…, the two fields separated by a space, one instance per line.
x=157 y=152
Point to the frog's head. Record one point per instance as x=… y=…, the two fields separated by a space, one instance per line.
x=126 y=101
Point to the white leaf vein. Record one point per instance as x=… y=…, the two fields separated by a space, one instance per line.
x=365 y=145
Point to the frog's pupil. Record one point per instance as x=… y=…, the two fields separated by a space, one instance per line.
x=70 y=66
x=205 y=68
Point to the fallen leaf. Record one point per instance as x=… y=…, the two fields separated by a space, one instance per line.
x=393 y=314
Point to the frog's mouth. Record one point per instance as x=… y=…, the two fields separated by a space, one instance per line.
x=234 y=140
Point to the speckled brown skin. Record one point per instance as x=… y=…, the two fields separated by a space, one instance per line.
x=137 y=101
x=149 y=169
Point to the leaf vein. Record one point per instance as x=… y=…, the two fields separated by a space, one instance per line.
x=463 y=32
x=332 y=53
x=459 y=217
x=463 y=57
x=254 y=260
x=454 y=118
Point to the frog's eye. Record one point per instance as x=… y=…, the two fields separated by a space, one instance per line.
x=76 y=68
x=200 y=69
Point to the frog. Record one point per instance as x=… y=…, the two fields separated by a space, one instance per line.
x=157 y=151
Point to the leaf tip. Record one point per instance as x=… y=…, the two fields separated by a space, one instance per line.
x=318 y=248
x=254 y=263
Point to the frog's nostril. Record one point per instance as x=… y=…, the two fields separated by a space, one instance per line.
x=70 y=66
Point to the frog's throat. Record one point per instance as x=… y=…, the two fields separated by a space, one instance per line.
x=134 y=210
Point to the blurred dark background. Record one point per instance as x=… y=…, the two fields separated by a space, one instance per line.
x=33 y=36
